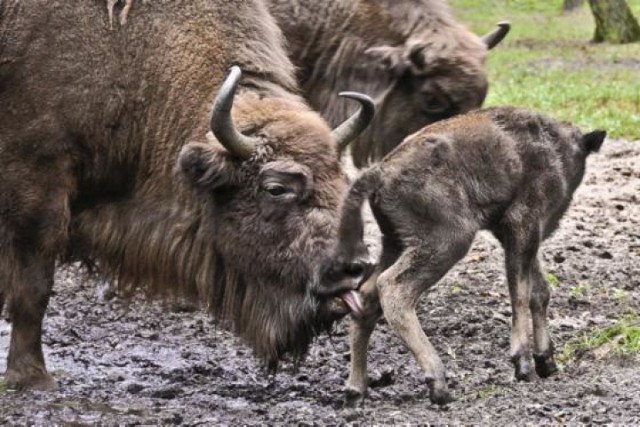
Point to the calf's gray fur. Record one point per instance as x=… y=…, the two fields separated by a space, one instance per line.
x=507 y=170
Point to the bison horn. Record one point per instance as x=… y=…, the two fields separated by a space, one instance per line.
x=354 y=125
x=221 y=123
x=493 y=38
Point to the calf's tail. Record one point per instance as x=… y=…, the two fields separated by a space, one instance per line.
x=351 y=231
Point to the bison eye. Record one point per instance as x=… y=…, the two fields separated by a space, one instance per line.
x=435 y=105
x=276 y=190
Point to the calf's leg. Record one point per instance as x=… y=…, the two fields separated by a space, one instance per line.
x=521 y=241
x=545 y=364
x=361 y=329
x=400 y=288
x=360 y=333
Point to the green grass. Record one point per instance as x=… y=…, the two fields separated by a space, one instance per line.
x=553 y=281
x=3 y=385
x=623 y=339
x=488 y=391
x=580 y=290
x=548 y=63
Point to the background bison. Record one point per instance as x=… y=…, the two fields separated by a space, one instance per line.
x=91 y=125
x=412 y=56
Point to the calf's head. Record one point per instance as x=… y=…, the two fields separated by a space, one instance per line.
x=272 y=184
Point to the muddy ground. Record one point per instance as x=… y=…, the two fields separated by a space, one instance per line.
x=145 y=363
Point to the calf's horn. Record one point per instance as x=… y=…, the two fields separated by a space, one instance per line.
x=494 y=37
x=221 y=123
x=358 y=122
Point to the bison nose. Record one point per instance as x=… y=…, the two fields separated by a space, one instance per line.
x=337 y=277
x=358 y=270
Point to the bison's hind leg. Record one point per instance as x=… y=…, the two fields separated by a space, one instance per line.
x=521 y=236
x=542 y=345
x=401 y=286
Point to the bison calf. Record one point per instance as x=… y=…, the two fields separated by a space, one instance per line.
x=507 y=170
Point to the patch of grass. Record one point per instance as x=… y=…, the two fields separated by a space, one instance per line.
x=553 y=281
x=3 y=386
x=619 y=293
x=623 y=338
x=548 y=63
x=456 y=288
x=580 y=290
x=488 y=391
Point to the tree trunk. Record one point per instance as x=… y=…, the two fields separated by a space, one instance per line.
x=569 y=5
x=614 y=22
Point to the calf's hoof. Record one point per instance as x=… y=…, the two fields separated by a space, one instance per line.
x=439 y=393
x=523 y=369
x=40 y=382
x=440 y=397
x=353 y=397
x=545 y=364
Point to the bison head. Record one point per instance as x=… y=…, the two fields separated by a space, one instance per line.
x=272 y=184
x=435 y=75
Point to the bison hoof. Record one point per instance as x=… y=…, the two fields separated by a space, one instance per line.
x=439 y=392
x=440 y=397
x=353 y=398
x=523 y=370
x=41 y=382
x=545 y=365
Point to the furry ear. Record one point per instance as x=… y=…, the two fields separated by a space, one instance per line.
x=389 y=58
x=205 y=167
x=402 y=58
x=593 y=140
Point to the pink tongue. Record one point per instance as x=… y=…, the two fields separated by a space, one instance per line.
x=352 y=299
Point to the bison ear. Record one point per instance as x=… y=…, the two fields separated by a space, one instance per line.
x=400 y=59
x=389 y=58
x=205 y=167
x=593 y=140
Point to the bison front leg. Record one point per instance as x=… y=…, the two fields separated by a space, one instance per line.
x=32 y=282
x=360 y=333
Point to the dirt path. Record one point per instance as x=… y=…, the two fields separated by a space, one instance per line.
x=148 y=364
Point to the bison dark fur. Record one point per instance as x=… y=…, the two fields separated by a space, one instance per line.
x=507 y=170
x=418 y=62
x=92 y=123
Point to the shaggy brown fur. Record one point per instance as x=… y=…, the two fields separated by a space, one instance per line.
x=412 y=56
x=91 y=125
x=507 y=170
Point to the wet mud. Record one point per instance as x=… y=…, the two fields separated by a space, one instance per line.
x=141 y=362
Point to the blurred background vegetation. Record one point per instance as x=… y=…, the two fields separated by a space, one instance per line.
x=548 y=62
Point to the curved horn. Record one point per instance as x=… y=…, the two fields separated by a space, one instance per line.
x=493 y=38
x=221 y=124
x=354 y=125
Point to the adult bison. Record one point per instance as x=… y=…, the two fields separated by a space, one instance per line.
x=419 y=62
x=91 y=125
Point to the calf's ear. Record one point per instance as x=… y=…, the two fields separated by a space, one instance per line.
x=593 y=140
x=206 y=167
